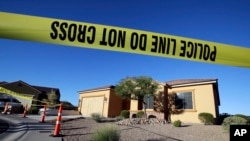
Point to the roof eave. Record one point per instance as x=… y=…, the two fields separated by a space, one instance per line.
x=195 y=83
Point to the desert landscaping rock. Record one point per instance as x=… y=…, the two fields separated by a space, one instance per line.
x=141 y=121
x=82 y=129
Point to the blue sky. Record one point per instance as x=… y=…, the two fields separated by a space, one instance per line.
x=73 y=69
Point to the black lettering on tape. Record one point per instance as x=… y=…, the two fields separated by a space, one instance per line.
x=163 y=45
x=200 y=45
x=190 y=52
x=72 y=32
x=91 y=39
x=63 y=35
x=174 y=45
x=195 y=51
x=143 y=42
x=121 y=39
x=213 y=54
x=183 y=48
x=81 y=33
x=114 y=38
x=134 y=40
x=54 y=34
x=103 y=41
x=189 y=49
x=206 y=52
x=154 y=43
x=138 y=40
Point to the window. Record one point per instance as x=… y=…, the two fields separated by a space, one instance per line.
x=183 y=100
x=149 y=101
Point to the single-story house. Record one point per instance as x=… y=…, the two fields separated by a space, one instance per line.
x=25 y=90
x=183 y=99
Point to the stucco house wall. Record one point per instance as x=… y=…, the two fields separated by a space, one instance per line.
x=100 y=100
x=115 y=104
x=203 y=101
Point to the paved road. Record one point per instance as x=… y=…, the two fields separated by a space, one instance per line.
x=29 y=129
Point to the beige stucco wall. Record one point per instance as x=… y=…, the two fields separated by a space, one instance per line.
x=115 y=104
x=102 y=93
x=203 y=101
x=112 y=104
x=134 y=105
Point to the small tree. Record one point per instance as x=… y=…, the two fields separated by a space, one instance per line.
x=136 y=88
x=53 y=98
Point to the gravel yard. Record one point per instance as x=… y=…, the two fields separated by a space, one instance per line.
x=83 y=128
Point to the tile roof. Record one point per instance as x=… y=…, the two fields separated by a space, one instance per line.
x=98 y=88
x=24 y=88
x=21 y=87
x=45 y=89
x=188 y=81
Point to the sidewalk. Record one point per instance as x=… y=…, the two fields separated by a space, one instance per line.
x=26 y=129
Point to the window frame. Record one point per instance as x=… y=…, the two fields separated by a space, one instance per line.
x=153 y=97
x=193 y=99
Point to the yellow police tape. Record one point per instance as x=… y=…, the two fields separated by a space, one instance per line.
x=9 y=92
x=95 y=36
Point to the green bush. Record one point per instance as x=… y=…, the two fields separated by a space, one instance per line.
x=222 y=116
x=33 y=110
x=177 y=123
x=125 y=113
x=97 y=117
x=140 y=114
x=234 y=120
x=243 y=116
x=206 y=118
x=107 y=133
x=118 y=118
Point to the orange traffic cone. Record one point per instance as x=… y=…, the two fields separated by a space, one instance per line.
x=58 y=122
x=44 y=113
x=25 y=110
x=6 y=108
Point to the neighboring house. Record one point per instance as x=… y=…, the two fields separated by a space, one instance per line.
x=184 y=99
x=102 y=100
x=36 y=93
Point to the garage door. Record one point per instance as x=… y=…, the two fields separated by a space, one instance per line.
x=92 y=105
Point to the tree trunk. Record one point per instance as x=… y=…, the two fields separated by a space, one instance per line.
x=144 y=108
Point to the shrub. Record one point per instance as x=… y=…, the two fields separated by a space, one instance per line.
x=222 y=117
x=243 y=116
x=107 y=133
x=139 y=114
x=118 y=118
x=234 y=120
x=177 y=123
x=97 y=117
x=125 y=113
x=206 y=118
x=33 y=110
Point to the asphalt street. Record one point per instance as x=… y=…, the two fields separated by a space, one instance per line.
x=29 y=128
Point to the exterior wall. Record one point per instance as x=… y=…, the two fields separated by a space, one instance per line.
x=115 y=104
x=134 y=105
x=203 y=101
x=134 y=108
x=103 y=93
